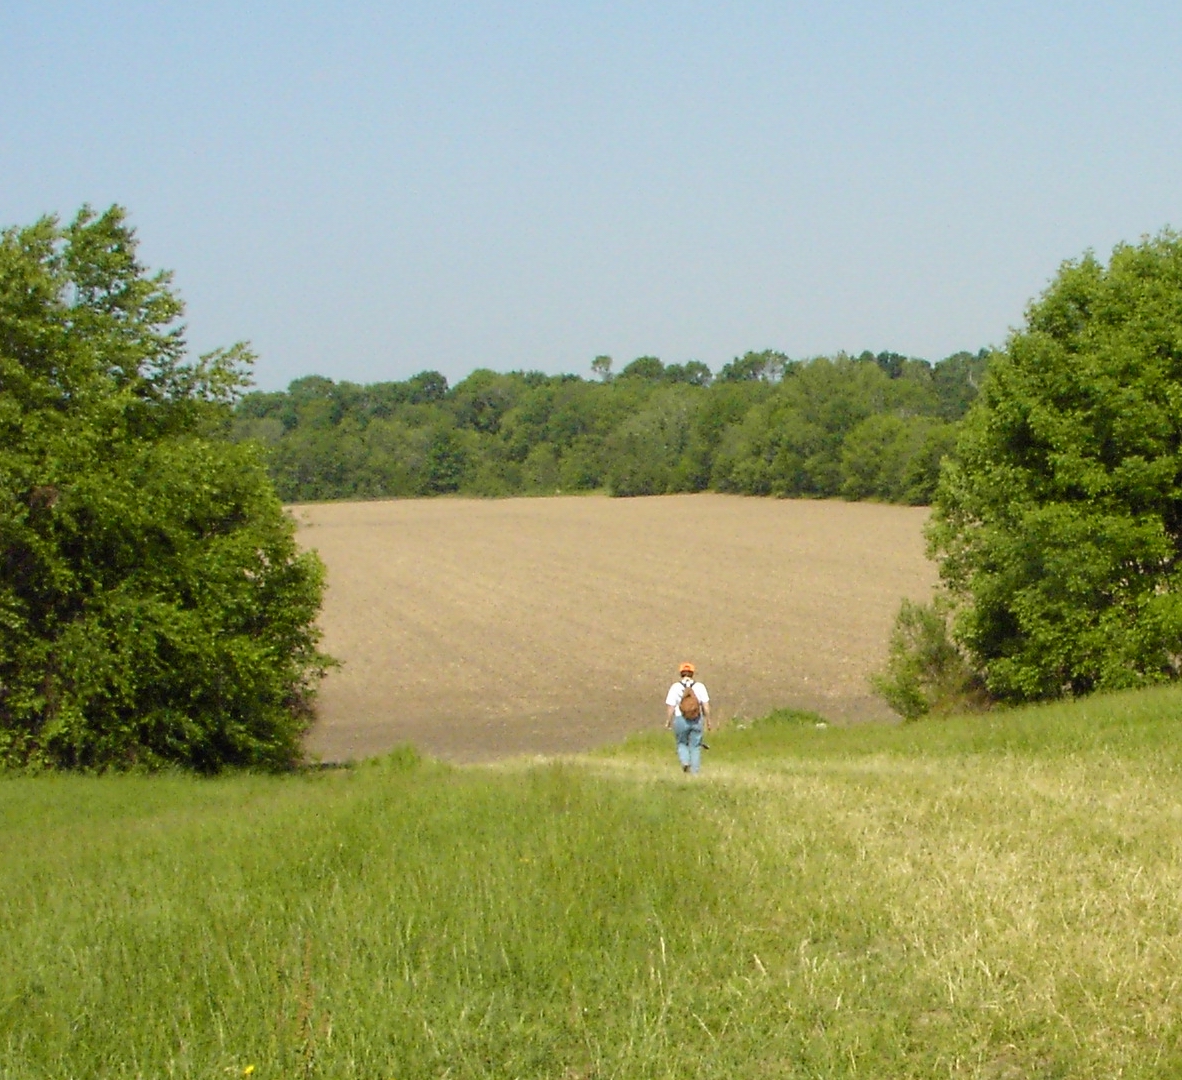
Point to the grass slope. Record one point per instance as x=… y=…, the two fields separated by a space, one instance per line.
x=989 y=898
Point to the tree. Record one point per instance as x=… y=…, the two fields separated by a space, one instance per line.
x=643 y=451
x=482 y=399
x=693 y=372
x=766 y=366
x=876 y=456
x=956 y=379
x=602 y=366
x=922 y=474
x=925 y=672
x=426 y=386
x=892 y=363
x=1059 y=529
x=644 y=367
x=445 y=464
x=154 y=606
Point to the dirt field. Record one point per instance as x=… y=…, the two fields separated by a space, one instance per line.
x=480 y=628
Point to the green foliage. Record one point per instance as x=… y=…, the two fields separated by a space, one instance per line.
x=765 y=366
x=925 y=671
x=539 y=471
x=957 y=380
x=154 y=607
x=1059 y=527
x=644 y=367
x=766 y=425
x=794 y=442
x=644 y=451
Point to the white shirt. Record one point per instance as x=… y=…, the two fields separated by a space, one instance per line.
x=677 y=692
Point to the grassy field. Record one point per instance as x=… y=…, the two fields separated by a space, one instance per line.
x=467 y=626
x=994 y=897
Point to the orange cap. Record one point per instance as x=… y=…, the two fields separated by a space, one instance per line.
x=686 y=669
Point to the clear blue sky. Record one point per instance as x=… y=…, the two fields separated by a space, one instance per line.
x=367 y=190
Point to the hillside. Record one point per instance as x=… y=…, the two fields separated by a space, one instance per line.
x=992 y=898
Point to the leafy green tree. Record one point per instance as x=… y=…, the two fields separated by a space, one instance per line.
x=957 y=379
x=1059 y=528
x=644 y=367
x=743 y=459
x=426 y=387
x=645 y=449
x=446 y=461
x=765 y=366
x=154 y=606
x=581 y=468
x=725 y=405
x=392 y=459
x=922 y=473
x=891 y=363
x=540 y=470
x=875 y=455
x=813 y=412
x=693 y=372
x=481 y=400
x=528 y=422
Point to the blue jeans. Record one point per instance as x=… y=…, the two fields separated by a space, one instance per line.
x=689 y=742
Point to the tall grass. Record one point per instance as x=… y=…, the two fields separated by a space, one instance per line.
x=994 y=897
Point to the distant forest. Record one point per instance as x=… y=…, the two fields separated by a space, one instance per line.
x=872 y=426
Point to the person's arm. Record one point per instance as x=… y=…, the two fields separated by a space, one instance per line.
x=668 y=716
x=704 y=699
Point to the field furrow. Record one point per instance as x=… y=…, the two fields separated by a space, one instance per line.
x=480 y=628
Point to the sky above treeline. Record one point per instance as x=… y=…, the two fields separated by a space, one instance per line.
x=368 y=190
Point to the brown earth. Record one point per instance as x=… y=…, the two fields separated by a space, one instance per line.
x=480 y=628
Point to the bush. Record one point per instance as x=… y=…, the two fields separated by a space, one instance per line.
x=925 y=672
x=154 y=606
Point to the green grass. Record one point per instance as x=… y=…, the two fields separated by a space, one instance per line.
x=991 y=897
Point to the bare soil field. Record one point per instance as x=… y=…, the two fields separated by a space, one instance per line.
x=477 y=629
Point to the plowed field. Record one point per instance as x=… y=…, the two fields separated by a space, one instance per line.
x=481 y=628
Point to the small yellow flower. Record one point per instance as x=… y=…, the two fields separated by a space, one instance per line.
x=248 y=1070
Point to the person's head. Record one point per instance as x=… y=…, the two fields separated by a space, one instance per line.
x=686 y=671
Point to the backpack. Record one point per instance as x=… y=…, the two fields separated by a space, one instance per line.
x=690 y=707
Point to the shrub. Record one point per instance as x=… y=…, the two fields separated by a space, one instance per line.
x=925 y=671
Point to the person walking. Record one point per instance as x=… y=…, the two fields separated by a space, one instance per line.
x=687 y=712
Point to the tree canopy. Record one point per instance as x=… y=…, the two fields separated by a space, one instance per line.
x=153 y=605
x=872 y=426
x=1059 y=525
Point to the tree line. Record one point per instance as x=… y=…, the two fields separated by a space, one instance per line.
x=866 y=426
